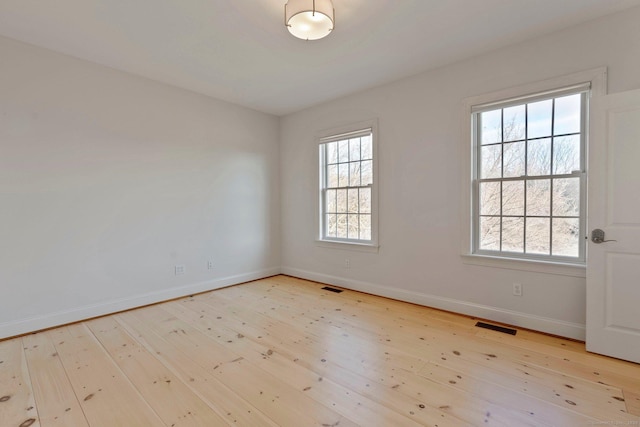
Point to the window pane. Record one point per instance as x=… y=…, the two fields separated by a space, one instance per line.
x=365 y=200
x=526 y=176
x=566 y=197
x=539 y=157
x=489 y=233
x=513 y=234
x=491 y=127
x=341 y=197
x=513 y=198
x=343 y=151
x=346 y=190
x=365 y=227
x=539 y=119
x=513 y=154
x=332 y=176
x=567 y=115
x=352 y=200
x=353 y=227
x=341 y=226
x=539 y=197
x=332 y=152
x=331 y=225
x=367 y=172
x=491 y=166
x=354 y=174
x=366 y=147
x=330 y=201
x=343 y=174
x=566 y=154
x=490 y=198
x=354 y=149
x=538 y=236
x=566 y=236
x=514 y=123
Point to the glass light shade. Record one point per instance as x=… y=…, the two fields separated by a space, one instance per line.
x=309 y=19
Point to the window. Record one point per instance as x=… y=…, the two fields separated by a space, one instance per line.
x=529 y=176
x=347 y=196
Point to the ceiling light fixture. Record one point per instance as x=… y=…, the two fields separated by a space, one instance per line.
x=309 y=19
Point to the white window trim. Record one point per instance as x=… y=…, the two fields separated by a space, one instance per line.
x=598 y=79
x=349 y=245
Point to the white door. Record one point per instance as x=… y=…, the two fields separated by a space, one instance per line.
x=613 y=266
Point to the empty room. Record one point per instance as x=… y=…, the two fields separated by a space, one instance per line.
x=319 y=213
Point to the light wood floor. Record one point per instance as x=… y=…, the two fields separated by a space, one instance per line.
x=283 y=352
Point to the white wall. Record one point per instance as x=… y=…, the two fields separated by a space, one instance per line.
x=420 y=180
x=107 y=181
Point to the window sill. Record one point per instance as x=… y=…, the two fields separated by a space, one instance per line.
x=547 y=267
x=349 y=246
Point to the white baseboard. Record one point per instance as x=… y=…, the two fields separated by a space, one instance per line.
x=524 y=320
x=36 y=323
x=510 y=317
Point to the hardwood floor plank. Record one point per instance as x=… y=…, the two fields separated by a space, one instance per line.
x=157 y=385
x=284 y=352
x=17 y=404
x=567 y=361
x=346 y=401
x=234 y=409
x=504 y=396
x=632 y=399
x=57 y=403
x=283 y=404
x=443 y=319
x=309 y=354
x=614 y=372
x=106 y=395
x=388 y=373
x=537 y=381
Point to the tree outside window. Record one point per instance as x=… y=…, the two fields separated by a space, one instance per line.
x=529 y=177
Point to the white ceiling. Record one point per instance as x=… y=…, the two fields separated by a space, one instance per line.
x=240 y=51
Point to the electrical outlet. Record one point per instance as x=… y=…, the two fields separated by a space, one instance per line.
x=517 y=289
x=180 y=269
x=347 y=263
x=210 y=265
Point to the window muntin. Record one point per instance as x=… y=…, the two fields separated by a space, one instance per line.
x=529 y=186
x=346 y=181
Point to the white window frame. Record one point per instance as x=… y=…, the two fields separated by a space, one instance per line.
x=596 y=79
x=335 y=134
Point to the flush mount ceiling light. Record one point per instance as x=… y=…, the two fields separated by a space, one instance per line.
x=309 y=19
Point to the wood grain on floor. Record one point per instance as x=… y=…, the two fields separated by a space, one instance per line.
x=284 y=352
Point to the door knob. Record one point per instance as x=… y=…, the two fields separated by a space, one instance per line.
x=597 y=236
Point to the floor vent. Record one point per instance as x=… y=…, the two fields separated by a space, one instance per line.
x=496 y=328
x=327 y=288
